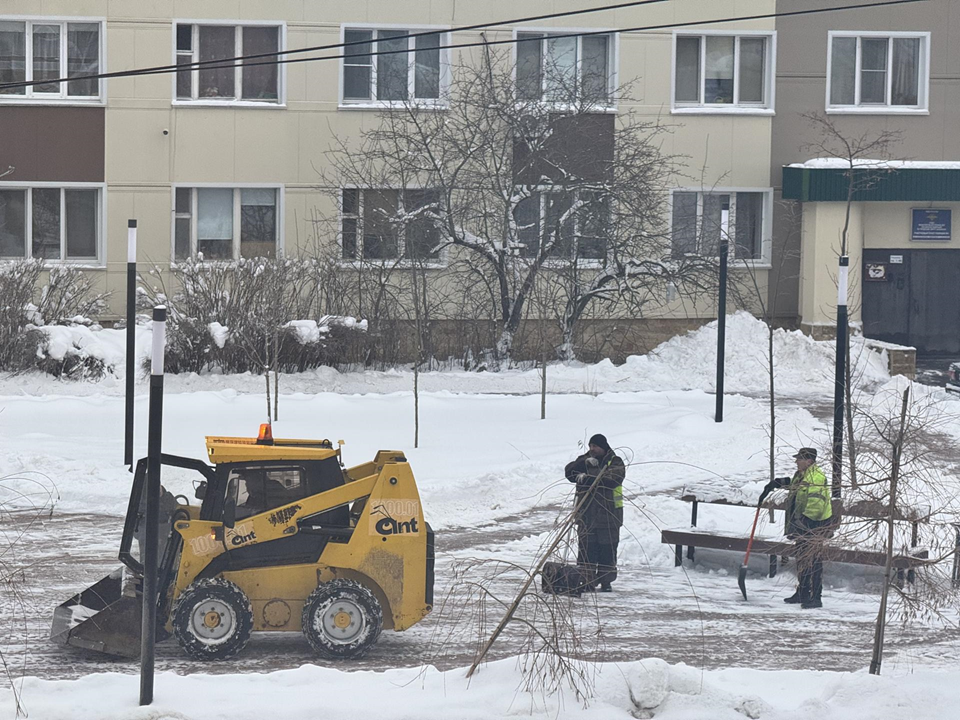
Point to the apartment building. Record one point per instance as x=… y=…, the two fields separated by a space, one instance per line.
x=225 y=161
x=871 y=72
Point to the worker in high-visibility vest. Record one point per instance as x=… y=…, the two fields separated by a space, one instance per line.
x=599 y=475
x=808 y=513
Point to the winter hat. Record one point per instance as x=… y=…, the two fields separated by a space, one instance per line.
x=601 y=442
x=806 y=454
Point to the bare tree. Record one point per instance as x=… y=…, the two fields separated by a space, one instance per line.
x=865 y=157
x=514 y=188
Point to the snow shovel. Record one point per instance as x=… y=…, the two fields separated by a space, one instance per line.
x=742 y=577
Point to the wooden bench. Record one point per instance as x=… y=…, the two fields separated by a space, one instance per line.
x=774 y=549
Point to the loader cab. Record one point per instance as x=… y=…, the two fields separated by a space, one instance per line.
x=244 y=489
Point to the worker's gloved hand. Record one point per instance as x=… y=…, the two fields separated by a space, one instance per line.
x=581 y=477
x=592 y=461
x=771 y=486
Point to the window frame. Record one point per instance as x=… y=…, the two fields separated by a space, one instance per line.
x=440 y=103
x=558 y=261
x=440 y=262
x=923 y=81
x=767 y=108
x=764 y=262
x=62 y=98
x=236 y=188
x=613 y=63
x=89 y=262
x=237 y=25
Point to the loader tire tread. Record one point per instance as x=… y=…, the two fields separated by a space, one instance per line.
x=323 y=600
x=220 y=590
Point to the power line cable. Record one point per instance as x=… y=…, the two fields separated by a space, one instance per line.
x=239 y=60
x=233 y=62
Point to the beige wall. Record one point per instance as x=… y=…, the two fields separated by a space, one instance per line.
x=285 y=145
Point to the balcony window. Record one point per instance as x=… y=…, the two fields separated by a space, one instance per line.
x=564 y=69
x=256 y=80
x=225 y=223
x=719 y=72
x=43 y=51
x=698 y=224
x=874 y=72
x=408 y=68
x=389 y=225
x=50 y=223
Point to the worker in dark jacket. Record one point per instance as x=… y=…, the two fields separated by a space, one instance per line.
x=599 y=475
x=807 y=521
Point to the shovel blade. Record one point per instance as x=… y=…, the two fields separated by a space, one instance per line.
x=742 y=580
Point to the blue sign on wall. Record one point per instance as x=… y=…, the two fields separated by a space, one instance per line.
x=931 y=225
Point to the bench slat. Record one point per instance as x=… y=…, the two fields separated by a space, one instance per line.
x=770 y=547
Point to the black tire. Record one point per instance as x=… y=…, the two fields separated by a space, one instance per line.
x=342 y=619
x=212 y=619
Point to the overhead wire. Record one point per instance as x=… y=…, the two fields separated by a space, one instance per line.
x=242 y=60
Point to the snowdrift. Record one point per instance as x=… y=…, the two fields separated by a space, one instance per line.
x=642 y=689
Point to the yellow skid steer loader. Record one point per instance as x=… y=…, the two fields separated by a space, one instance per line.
x=285 y=539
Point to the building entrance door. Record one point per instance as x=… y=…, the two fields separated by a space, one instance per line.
x=912 y=297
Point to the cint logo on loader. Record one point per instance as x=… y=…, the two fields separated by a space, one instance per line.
x=242 y=534
x=383 y=517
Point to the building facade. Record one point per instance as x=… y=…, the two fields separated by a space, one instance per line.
x=228 y=162
x=883 y=74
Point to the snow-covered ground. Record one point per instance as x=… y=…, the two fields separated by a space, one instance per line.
x=487 y=464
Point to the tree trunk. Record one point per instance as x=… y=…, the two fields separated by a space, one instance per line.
x=880 y=630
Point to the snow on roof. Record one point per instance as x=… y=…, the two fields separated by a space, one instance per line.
x=842 y=163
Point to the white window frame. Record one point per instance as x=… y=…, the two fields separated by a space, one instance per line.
x=236 y=187
x=613 y=63
x=429 y=264
x=560 y=261
x=923 y=86
x=767 y=108
x=99 y=260
x=445 y=75
x=237 y=25
x=28 y=98
x=764 y=262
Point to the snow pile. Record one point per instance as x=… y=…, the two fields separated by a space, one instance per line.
x=641 y=689
x=685 y=362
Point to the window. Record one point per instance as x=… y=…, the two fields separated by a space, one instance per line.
x=698 y=223
x=41 y=50
x=878 y=72
x=573 y=223
x=225 y=223
x=413 y=68
x=50 y=223
x=258 y=489
x=383 y=224
x=252 y=80
x=722 y=72
x=564 y=69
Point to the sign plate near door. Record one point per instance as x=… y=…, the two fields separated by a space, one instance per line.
x=930 y=225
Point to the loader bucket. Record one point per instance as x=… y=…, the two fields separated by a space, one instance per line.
x=100 y=618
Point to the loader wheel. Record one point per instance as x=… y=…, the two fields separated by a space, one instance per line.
x=342 y=619
x=212 y=619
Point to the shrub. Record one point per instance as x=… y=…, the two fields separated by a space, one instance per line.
x=248 y=315
x=34 y=319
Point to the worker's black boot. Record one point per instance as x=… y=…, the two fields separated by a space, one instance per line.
x=605 y=587
x=794 y=599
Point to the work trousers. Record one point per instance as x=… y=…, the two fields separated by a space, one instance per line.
x=597 y=552
x=810 y=557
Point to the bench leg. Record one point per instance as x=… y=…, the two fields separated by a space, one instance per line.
x=773 y=566
x=899 y=579
x=690 y=553
x=911 y=576
x=678 y=556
